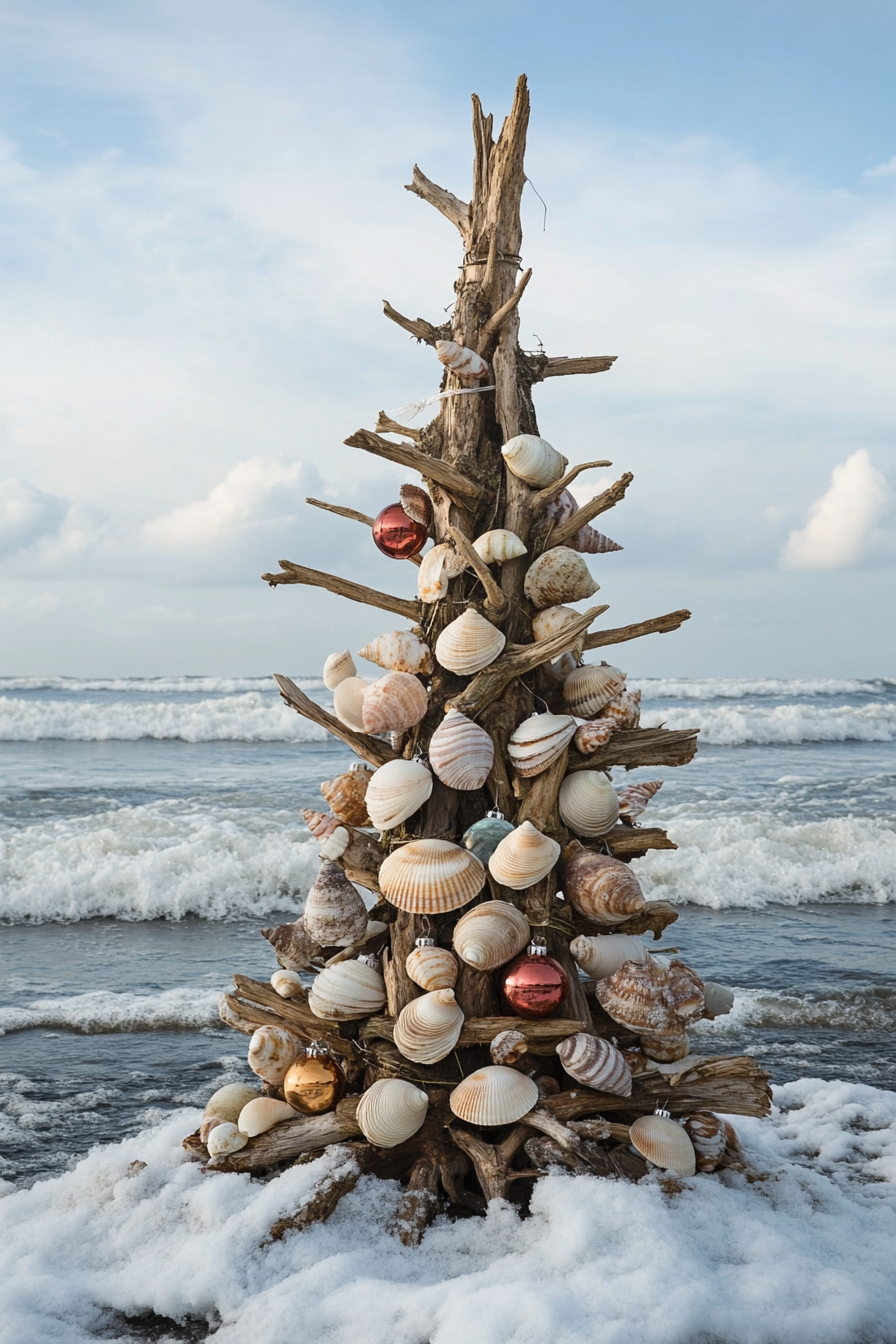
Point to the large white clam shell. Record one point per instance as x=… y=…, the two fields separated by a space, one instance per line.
x=346 y=990
x=263 y=1113
x=559 y=575
x=469 y=644
x=429 y=877
x=348 y=702
x=603 y=956
x=596 y=1063
x=490 y=935
x=225 y=1139
x=498 y=546
x=229 y=1100
x=664 y=1143
x=399 y=651
x=338 y=667
x=427 y=1028
x=432 y=967
x=523 y=857
x=334 y=914
x=390 y=1111
x=551 y=621
x=588 y=803
x=398 y=790
x=589 y=688
x=271 y=1051
x=461 y=360
x=493 y=1095
x=393 y=703
x=533 y=460
x=460 y=752
x=538 y=741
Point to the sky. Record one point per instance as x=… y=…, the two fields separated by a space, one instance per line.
x=202 y=208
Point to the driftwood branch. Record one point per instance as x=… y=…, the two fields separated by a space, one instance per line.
x=293 y=1137
x=354 y=514
x=599 y=504
x=560 y=365
x=497 y=319
x=654 y=918
x=386 y=425
x=633 y=842
x=543 y=498
x=371 y=749
x=495 y=601
x=355 y=592
x=417 y=326
x=482 y=1030
x=641 y=746
x=432 y=468
x=658 y=625
x=731 y=1084
x=455 y=210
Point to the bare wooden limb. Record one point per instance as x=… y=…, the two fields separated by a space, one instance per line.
x=657 y=625
x=361 y=859
x=491 y=1164
x=457 y=211
x=322 y=1203
x=560 y=365
x=654 y=918
x=344 y=512
x=482 y=1030
x=633 y=842
x=599 y=504
x=542 y=498
x=419 y=1204
x=417 y=326
x=355 y=592
x=256 y=997
x=385 y=425
x=732 y=1084
x=495 y=601
x=291 y=1138
x=641 y=746
x=371 y=749
x=432 y=468
x=497 y=319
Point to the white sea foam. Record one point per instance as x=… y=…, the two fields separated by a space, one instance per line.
x=149 y=685
x=730 y=726
x=866 y=1010
x=104 y=1010
x=740 y=688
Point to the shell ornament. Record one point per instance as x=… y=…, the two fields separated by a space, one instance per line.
x=398 y=790
x=347 y=990
x=460 y=752
x=394 y=703
x=338 y=667
x=494 y=1095
x=601 y=888
x=346 y=794
x=465 y=363
x=431 y=967
x=399 y=651
x=469 y=644
x=391 y=1111
x=538 y=741
x=523 y=857
x=427 y=1029
x=558 y=576
x=596 y=1063
x=588 y=803
x=591 y=687
x=334 y=915
x=533 y=460
x=430 y=877
x=490 y=935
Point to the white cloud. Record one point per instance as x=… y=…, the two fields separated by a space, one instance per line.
x=259 y=491
x=840 y=528
x=26 y=515
x=887 y=169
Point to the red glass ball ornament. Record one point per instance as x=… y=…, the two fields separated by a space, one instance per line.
x=397 y=535
x=534 y=984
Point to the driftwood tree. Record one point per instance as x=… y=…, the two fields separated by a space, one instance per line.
x=458 y=455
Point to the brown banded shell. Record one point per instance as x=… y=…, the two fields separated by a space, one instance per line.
x=398 y=790
x=469 y=644
x=490 y=935
x=225 y=1139
x=634 y=797
x=499 y=546
x=550 y=622
x=338 y=667
x=391 y=1111
x=588 y=803
x=334 y=914
x=624 y=710
x=346 y=794
x=461 y=360
x=602 y=888
x=432 y=968
x=320 y=824
x=523 y=857
x=399 y=651
x=394 y=703
x=706 y=1132
x=592 y=735
x=229 y=1100
x=596 y=1063
x=538 y=741
x=293 y=945
x=429 y=877
x=263 y=1113
x=664 y=1143
x=588 y=541
x=508 y=1048
x=603 y=956
x=427 y=1028
x=592 y=686
x=271 y=1051
x=460 y=752
x=533 y=460
x=416 y=504
x=348 y=702
x=653 y=998
x=347 y=990
x=559 y=575
x=665 y=1046
x=493 y=1095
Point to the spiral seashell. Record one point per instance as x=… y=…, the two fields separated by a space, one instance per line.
x=603 y=956
x=338 y=667
x=469 y=644
x=562 y=507
x=602 y=888
x=664 y=1143
x=346 y=794
x=465 y=363
x=229 y=1100
x=320 y=824
x=533 y=460
x=391 y=1111
x=557 y=576
x=652 y=998
x=427 y=1029
x=335 y=844
x=588 y=803
x=538 y=741
x=493 y=1095
x=498 y=546
x=460 y=752
x=706 y=1132
x=624 y=710
x=263 y=1113
x=592 y=686
x=416 y=504
x=429 y=877
x=271 y=1051
x=432 y=967
x=399 y=651
x=588 y=541
x=288 y=984
x=225 y=1139
x=717 y=1000
x=665 y=1046
x=483 y=837
x=596 y=1063
x=523 y=858
x=348 y=702
x=334 y=914
x=508 y=1048
x=293 y=945
x=346 y=990
x=394 y=703
x=398 y=790
x=551 y=621
x=593 y=734
x=490 y=935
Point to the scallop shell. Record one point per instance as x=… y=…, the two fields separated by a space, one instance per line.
x=429 y=877
x=559 y=575
x=229 y=1100
x=602 y=888
x=271 y=1051
x=335 y=844
x=717 y=1000
x=588 y=541
x=533 y=460
x=346 y=794
x=348 y=989
x=592 y=735
x=460 y=360
x=288 y=984
x=334 y=915
x=596 y=1063
x=588 y=803
x=427 y=1028
x=394 y=703
x=390 y=1111
x=653 y=998
x=483 y=837
x=469 y=644
x=348 y=702
x=262 y=1114
x=293 y=945
x=508 y=1047
x=664 y=1143
x=523 y=858
x=432 y=968
x=591 y=687
x=551 y=621
x=624 y=710
x=499 y=546
x=399 y=651
x=490 y=935
x=493 y=1095
x=398 y=790
x=538 y=741
x=706 y=1132
x=416 y=504
x=225 y=1139
x=460 y=752
x=603 y=956
x=338 y=667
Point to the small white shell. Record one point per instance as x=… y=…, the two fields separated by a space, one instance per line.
x=588 y=803
x=460 y=360
x=523 y=857
x=508 y=1047
x=347 y=990
x=430 y=877
x=493 y=1095
x=437 y=567
x=559 y=575
x=338 y=667
x=490 y=935
x=229 y=1100
x=664 y=1143
x=288 y=984
x=551 y=621
x=390 y=1111
x=432 y=968
x=394 y=703
x=589 y=688
x=399 y=651
x=427 y=1028
x=538 y=741
x=335 y=844
x=460 y=752
x=533 y=460
x=225 y=1139
x=469 y=644
x=398 y=790
x=596 y=1063
x=498 y=546
x=603 y=956
x=271 y=1051
x=348 y=702
x=334 y=914
x=262 y=1114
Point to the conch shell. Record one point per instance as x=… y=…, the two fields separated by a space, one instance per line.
x=706 y=1132
x=499 y=546
x=588 y=803
x=427 y=1028
x=603 y=956
x=523 y=858
x=436 y=568
x=533 y=460
x=335 y=844
x=225 y=1139
x=398 y=790
x=346 y=990
x=591 y=687
x=460 y=752
x=293 y=945
x=634 y=797
x=334 y=914
x=432 y=967
x=508 y=1047
x=391 y=1111
x=263 y=1113
x=338 y=667
x=624 y=710
x=664 y=1143
x=429 y=877
x=596 y=1063
x=493 y=1095
x=559 y=575
x=271 y=1051
x=551 y=621
x=650 y=997
x=538 y=741
x=288 y=984
x=348 y=702
x=469 y=644
x=416 y=504
x=399 y=651
x=396 y=702
x=346 y=794
x=465 y=363
x=602 y=888
x=490 y=935
x=593 y=734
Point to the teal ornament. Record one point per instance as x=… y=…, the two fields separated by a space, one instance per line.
x=483 y=837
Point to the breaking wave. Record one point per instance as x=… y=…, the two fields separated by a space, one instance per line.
x=104 y=1010
x=727 y=726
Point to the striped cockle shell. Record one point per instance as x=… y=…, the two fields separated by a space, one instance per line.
x=263 y=1113
x=348 y=702
x=559 y=575
x=338 y=667
x=595 y=1063
x=588 y=541
x=427 y=1028
x=334 y=914
x=416 y=504
x=394 y=703
x=653 y=998
x=429 y=877
x=664 y=1143
x=624 y=710
x=483 y=837
x=398 y=790
x=225 y=1139
x=706 y=1132
x=335 y=844
x=399 y=651
x=603 y=956
x=293 y=945
x=634 y=797
x=461 y=360
x=508 y=1047
x=533 y=460
x=592 y=686
x=347 y=990
x=460 y=752
x=717 y=1000
x=602 y=888
x=346 y=793
x=490 y=935
x=538 y=741
x=551 y=621
x=391 y=1111
x=271 y=1051
x=288 y=984
x=469 y=644
x=493 y=1095
x=432 y=967
x=229 y=1100
x=523 y=858
x=498 y=546
x=592 y=735
x=588 y=803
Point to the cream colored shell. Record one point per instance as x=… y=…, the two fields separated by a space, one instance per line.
x=550 y=622
x=338 y=667
x=398 y=790
x=490 y=935
x=603 y=956
x=399 y=651
x=469 y=644
x=229 y=1100
x=559 y=575
x=288 y=984
x=508 y=1047
x=427 y=1028
x=271 y=1051
x=493 y=1095
x=523 y=857
x=460 y=360
x=624 y=710
x=346 y=794
x=334 y=914
x=533 y=460
x=346 y=990
x=589 y=688
x=538 y=741
x=664 y=1143
x=602 y=888
x=432 y=967
x=391 y=1111
x=262 y=1114
x=335 y=844
x=429 y=877
x=348 y=702
x=460 y=752
x=394 y=703
x=499 y=546
x=596 y=1063
x=592 y=735
x=436 y=568
x=651 y=997
x=588 y=803
x=320 y=824
x=225 y=1139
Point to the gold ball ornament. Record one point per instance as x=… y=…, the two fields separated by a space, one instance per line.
x=315 y=1081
